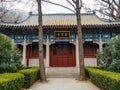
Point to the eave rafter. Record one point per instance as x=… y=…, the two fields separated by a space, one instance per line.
x=60 y=26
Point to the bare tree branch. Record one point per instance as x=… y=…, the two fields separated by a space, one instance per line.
x=71 y=4
x=74 y=1
x=80 y=4
x=110 y=8
x=117 y=4
x=7 y=14
x=5 y=7
x=59 y=5
x=33 y=4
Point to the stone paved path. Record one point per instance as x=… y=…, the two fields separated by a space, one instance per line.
x=64 y=84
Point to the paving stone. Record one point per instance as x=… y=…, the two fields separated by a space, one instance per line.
x=64 y=84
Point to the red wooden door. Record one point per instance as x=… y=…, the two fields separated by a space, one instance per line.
x=90 y=50
x=32 y=52
x=62 y=55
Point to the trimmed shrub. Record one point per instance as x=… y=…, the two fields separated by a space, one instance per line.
x=104 y=79
x=11 y=81
x=30 y=76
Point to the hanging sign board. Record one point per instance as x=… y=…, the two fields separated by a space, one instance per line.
x=61 y=34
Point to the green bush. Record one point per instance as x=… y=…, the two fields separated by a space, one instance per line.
x=109 y=58
x=11 y=81
x=30 y=76
x=10 y=57
x=104 y=79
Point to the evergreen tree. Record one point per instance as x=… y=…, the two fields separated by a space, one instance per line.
x=109 y=59
x=10 y=57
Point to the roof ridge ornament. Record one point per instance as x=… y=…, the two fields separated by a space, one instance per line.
x=30 y=13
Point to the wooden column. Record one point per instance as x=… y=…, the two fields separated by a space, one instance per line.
x=12 y=43
x=24 y=52
x=47 y=53
x=77 y=52
x=100 y=43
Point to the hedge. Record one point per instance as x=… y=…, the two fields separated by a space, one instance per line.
x=11 y=81
x=104 y=79
x=30 y=76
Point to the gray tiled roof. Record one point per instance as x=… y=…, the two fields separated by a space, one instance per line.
x=63 y=19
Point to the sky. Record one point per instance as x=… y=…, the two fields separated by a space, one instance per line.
x=50 y=8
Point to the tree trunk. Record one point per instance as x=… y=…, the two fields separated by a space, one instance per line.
x=118 y=13
x=40 y=32
x=80 y=46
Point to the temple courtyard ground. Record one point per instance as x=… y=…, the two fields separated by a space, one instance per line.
x=64 y=84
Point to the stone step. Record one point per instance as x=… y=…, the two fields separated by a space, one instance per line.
x=62 y=76
x=61 y=72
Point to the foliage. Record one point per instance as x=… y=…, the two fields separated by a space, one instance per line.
x=31 y=75
x=104 y=79
x=10 y=58
x=11 y=81
x=109 y=58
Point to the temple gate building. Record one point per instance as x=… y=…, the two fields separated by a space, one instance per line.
x=60 y=40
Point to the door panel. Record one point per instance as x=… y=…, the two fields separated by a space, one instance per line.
x=62 y=55
x=90 y=50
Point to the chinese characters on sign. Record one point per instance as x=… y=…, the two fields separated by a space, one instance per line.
x=61 y=34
